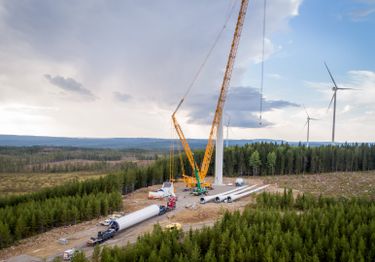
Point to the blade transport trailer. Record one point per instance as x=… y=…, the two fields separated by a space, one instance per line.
x=132 y=219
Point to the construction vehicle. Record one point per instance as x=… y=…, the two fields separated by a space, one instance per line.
x=197 y=180
x=106 y=222
x=68 y=254
x=171 y=205
x=199 y=189
x=173 y=226
x=240 y=181
x=102 y=236
x=129 y=220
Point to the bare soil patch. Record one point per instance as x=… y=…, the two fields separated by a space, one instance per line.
x=339 y=184
x=19 y=183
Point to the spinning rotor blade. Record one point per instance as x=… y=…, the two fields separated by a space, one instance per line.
x=330 y=74
x=306 y=111
x=330 y=103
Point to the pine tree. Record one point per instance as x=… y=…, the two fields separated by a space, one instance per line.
x=96 y=254
x=20 y=229
x=79 y=257
x=271 y=162
x=195 y=253
x=255 y=162
x=57 y=259
x=209 y=257
x=154 y=257
x=5 y=236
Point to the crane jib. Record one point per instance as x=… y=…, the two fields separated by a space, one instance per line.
x=220 y=104
x=224 y=88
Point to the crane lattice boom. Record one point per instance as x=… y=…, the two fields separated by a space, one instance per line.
x=219 y=108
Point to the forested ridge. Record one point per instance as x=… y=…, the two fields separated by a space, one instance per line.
x=277 y=228
x=280 y=159
x=250 y=159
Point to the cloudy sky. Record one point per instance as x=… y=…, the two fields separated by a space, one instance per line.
x=103 y=68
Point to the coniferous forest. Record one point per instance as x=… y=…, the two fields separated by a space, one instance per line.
x=277 y=228
x=281 y=159
x=32 y=213
x=25 y=215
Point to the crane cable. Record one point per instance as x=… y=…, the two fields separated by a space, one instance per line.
x=171 y=155
x=202 y=65
x=262 y=67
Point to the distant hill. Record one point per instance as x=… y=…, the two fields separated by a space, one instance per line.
x=118 y=143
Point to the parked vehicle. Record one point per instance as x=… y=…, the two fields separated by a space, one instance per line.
x=102 y=236
x=106 y=222
x=171 y=203
x=68 y=254
x=240 y=182
x=172 y=226
x=129 y=220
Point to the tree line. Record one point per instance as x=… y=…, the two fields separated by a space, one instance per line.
x=129 y=178
x=281 y=159
x=66 y=159
x=278 y=228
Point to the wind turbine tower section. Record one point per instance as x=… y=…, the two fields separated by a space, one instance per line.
x=219 y=155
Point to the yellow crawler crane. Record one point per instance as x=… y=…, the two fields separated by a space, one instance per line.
x=198 y=179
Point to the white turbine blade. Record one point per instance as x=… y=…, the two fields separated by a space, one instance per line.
x=306 y=110
x=346 y=88
x=330 y=74
x=330 y=103
x=314 y=119
x=306 y=124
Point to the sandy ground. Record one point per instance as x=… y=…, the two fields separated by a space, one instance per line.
x=188 y=212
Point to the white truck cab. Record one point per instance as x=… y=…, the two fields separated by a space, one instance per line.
x=69 y=253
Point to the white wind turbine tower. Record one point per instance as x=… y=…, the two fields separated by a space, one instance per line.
x=334 y=97
x=227 y=140
x=308 y=119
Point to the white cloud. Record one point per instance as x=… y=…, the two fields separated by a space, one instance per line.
x=347 y=108
x=274 y=76
x=147 y=50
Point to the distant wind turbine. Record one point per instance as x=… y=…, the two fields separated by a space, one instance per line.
x=308 y=126
x=333 y=99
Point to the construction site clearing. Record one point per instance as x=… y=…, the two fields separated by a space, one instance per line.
x=189 y=213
